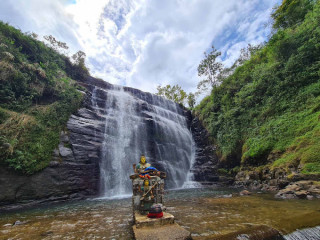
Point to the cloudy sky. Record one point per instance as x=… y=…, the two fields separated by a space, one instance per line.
x=145 y=43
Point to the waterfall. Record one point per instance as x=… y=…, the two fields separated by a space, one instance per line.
x=141 y=123
x=304 y=234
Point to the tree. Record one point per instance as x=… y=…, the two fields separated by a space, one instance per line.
x=79 y=58
x=210 y=69
x=79 y=62
x=54 y=43
x=191 y=100
x=32 y=35
x=177 y=94
x=291 y=12
x=246 y=53
x=174 y=93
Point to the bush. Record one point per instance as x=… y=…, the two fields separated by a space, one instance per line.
x=270 y=104
x=37 y=96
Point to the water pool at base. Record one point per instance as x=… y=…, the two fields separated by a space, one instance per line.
x=205 y=212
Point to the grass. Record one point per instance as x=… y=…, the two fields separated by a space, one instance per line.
x=38 y=93
x=267 y=111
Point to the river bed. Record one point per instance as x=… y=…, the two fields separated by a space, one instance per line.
x=205 y=212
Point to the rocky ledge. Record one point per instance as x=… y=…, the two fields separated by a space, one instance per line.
x=301 y=189
x=293 y=185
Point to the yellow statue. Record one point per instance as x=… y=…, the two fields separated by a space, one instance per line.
x=142 y=165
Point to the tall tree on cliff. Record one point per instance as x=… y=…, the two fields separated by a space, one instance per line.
x=177 y=94
x=210 y=69
x=174 y=93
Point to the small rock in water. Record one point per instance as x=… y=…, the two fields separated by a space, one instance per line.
x=227 y=196
x=18 y=222
x=310 y=197
x=243 y=237
x=45 y=234
x=301 y=194
x=245 y=192
x=204 y=234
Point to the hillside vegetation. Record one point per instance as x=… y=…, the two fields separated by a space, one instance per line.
x=267 y=112
x=38 y=92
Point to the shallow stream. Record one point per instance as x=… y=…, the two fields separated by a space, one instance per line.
x=205 y=212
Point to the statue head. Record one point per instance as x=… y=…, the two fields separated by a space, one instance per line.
x=146 y=183
x=142 y=159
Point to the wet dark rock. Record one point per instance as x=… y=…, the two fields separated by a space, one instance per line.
x=226 y=180
x=18 y=222
x=295 y=185
x=54 y=164
x=64 y=151
x=301 y=194
x=46 y=234
x=64 y=137
x=56 y=153
x=204 y=168
x=264 y=179
x=302 y=189
x=310 y=197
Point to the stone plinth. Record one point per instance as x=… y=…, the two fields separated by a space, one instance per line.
x=164 y=232
x=144 y=221
x=158 y=228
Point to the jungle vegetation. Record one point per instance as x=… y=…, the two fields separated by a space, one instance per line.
x=38 y=92
x=266 y=110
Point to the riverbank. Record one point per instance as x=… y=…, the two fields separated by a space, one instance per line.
x=277 y=180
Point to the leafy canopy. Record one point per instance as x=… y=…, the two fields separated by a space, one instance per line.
x=210 y=69
x=177 y=94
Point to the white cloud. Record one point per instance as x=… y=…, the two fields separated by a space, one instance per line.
x=145 y=43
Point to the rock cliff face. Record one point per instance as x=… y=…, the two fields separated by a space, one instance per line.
x=204 y=168
x=74 y=171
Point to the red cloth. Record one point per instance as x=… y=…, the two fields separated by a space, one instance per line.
x=144 y=176
x=155 y=215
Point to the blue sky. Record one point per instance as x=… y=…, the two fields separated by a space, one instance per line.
x=146 y=43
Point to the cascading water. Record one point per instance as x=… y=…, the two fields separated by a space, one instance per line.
x=304 y=234
x=141 y=123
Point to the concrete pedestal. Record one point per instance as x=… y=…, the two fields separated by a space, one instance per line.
x=144 y=221
x=158 y=228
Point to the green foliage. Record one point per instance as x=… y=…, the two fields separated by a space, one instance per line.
x=291 y=12
x=54 y=43
x=3 y=115
x=223 y=171
x=267 y=110
x=210 y=69
x=37 y=96
x=177 y=94
x=228 y=172
x=311 y=168
x=191 y=100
